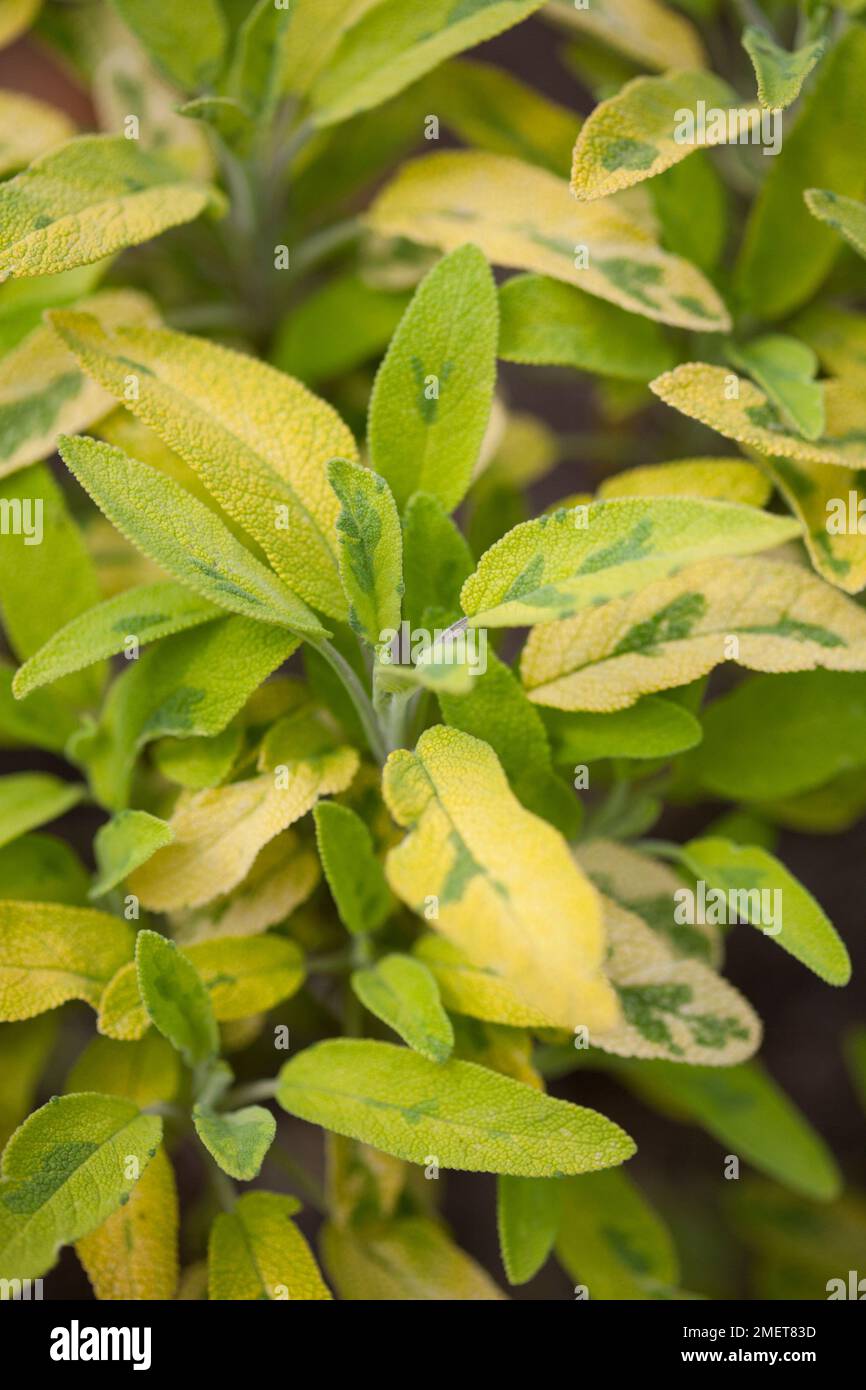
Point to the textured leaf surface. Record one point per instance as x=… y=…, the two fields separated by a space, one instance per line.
x=87 y=199
x=244 y=976
x=124 y=842
x=785 y=368
x=473 y=849
x=527 y=1218
x=258 y=440
x=719 y=479
x=436 y=560
x=187 y=44
x=370 y=548
x=239 y=1141
x=27 y=129
x=644 y=30
x=409 y=1259
x=176 y=1000
x=546 y=322
x=284 y=874
x=786 y=253
x=611 y=1240
x=64 y=1172
x=218 y=832
x=476 y=992
x=467 y=1116
x=355 y=876
x=570 y=559
x=133 y=1255
x=801 y=928
x=524 y=217
x=780 y=74
x=825 y=497
x=432 y=397
x=844 y=215
x=256 y=1251
x=403 y=993
x=394 y=45
x=183 y=535
x=768 y=615
x=50 y=953
x=744 y=1109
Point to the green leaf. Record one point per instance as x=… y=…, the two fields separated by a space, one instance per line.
x=436 y=560
x=24 y=1052
x=43 y=587
x=744 y=1109
x=570 y=559
x=189 y=685
x=611 y=1241
x=844 y=215
x=239 y=1141
x=338 y=326
x=799 y=925
x=785 y=369
x=133 y=1256
x=524 y=217
x=652 y=728
x=265 y=468
x=30 y=799
x=147 y=1072
x=394 y=45
x=785 y=253
x=64 y=1172
x=433 y=392
x=692 y=205
x=777 y=736
x=719 y=479
x=176 y=1000
x=144 y=613
x=183 y=536
x=23 y=302
x=404 y=994
x=124 y=842
x=45 y=721
x=40 y=868
x=88 y=199
x=545 y=322
x=197 y=763
x=355 y=876
x=371 y=549
x=257 y=1252
x=527 y=1217
x=498 y=710
x=646 y=31
x=465 y=1115
x=410 y=1258
x=187 y=44
x=780 y=74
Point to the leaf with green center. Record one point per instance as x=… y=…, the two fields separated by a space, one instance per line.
x=176 y=1000
x=403 y=993
x=525 y=217
x=183 y=536
x=188 y=685
x=545 y=322
x=123 y=843
x=410 y=1258
x=740 y=410
x=644 y=30
x=433 y=392
x=471 y=862
x=467 y=1116
x=568 y=560
x=144 y=613
x=258 y=440
x=237 y=1142
x=257 y=1252
x=527 y=1218
x=612 y=1242
x=652 y=124
x=30 y=799
x=133 y=1255
x=393 y=45
x=355 y=875
x=186 y=44
x=719 y=479
x=64 y=1172
x=785 y=369
x=371 y=549
x=767 y=615
x=744 y=1109
x=785 y=253
x=780 y=74
x=88 y=199
x=830 y=501
x=844 y=215
x=763 y=892
x=147 y=1072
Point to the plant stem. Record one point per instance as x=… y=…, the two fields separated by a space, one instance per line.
x=359 y=697
x=250 y=1091
x=332 y=964
x=224 y=1188
x=321 y=244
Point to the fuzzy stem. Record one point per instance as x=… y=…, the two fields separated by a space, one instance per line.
x=359 y=697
